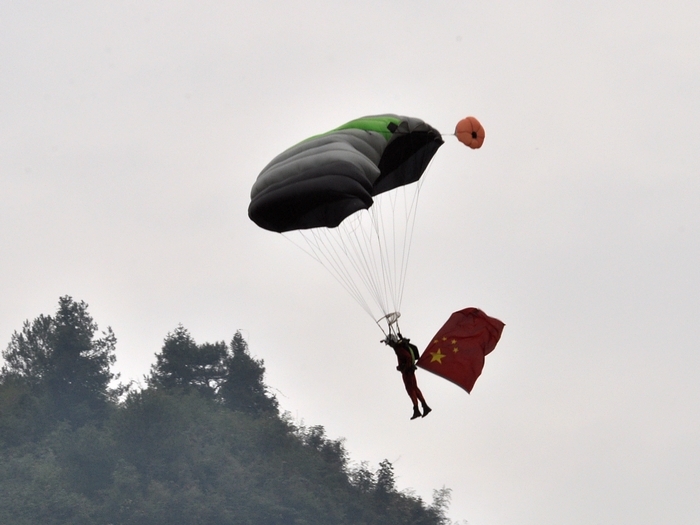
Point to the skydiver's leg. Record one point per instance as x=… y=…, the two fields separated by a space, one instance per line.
x=409 y=381
x=410 y=388
x=418 y=394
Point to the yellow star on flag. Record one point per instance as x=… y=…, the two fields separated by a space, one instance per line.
x=437 y=356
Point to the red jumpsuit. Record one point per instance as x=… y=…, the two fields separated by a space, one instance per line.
x=408 y=373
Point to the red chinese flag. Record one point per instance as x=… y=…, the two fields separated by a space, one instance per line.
x=458 y=349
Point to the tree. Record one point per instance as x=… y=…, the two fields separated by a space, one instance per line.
x=386 y=481
x=168 y=454
x=362 y=478
x=244 y=387
x=229 y=375
x=441 y=503
x=61 y=357
x=23 y=414
x=184 y=364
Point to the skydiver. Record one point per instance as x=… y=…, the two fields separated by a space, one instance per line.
x=407 y=354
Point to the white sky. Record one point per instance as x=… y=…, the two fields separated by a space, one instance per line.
x=131 y=133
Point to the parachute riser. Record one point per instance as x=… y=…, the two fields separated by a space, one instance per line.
x=392 y=324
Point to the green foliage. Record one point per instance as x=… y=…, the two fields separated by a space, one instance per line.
x=202 y=443
x=386 y=482
x=184 y=364
x=244 y=387
x=229 y=375
x=33 y=490
x=441 y=502
x=62 y=361
x=23 y=413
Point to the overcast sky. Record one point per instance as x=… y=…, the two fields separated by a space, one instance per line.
x=131 y=133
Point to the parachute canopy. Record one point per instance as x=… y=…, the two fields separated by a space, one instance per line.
x=325 y=178
x=470 y=132
x=457 y=351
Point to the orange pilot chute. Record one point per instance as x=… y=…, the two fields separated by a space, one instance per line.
x=470 y=132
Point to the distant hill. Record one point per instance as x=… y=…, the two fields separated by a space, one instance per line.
x=202 y=443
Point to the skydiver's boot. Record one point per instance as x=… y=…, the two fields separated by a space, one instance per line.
x=426 y=410
x=416 y=412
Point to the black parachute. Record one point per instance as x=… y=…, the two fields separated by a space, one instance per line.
x=349 y=195
x=324 y=179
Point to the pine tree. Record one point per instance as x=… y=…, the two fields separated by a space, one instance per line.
x=244 y=388
x=184 y=364
x=60 y=357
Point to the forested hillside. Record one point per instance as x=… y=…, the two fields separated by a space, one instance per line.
x=203 y=442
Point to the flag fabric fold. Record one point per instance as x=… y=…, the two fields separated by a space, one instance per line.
x=457 y=351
